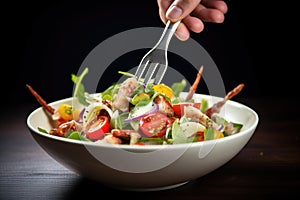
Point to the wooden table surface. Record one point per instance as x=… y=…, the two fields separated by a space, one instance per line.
x=267 y=168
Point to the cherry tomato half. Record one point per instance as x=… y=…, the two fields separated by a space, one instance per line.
x=96 y=129
x=179 y=107
x=154 y=124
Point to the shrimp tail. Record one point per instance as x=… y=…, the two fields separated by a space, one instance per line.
x=193 y=88
x=234 y=92
x=43 y=103
x=217 y=106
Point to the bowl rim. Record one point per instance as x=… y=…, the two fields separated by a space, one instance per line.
x=147 y=147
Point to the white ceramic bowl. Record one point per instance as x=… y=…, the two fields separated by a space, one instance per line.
x=145 y=167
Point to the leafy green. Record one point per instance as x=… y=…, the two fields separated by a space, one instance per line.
x=149 y=89
x=204 y=105
x=76 y=135
x=110 y=91
x=209 y=133
x=237 y=126
x=117 y=120
x=178 y=87
x=152 y=140
x=79 y=91
x=135 y=125
x=138 y=90
x=42 y=130
x=141 y=108
x=126 y=73
x=178 y=135
x=220 y=120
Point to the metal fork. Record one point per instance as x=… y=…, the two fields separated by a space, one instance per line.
x=156 y=60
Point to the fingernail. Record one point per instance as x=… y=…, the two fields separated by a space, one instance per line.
x=174 y=12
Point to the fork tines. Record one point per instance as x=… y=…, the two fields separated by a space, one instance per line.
x=154 y=72
x=153 y=61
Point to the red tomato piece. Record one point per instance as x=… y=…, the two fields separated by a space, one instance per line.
x=154 y=124
x=199 y=136
x=140 y=144
x=63 y=127
x=97 y=128
x=179 y=107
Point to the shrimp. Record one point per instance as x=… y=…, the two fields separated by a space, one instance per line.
x=197 y=116
x=164 y=106
x=110 y=139
x=193 y=88
x=119 y=136
x=125 y=91
x=61 y=127
x=45 y=105
x=217 y=106
x=126 y=136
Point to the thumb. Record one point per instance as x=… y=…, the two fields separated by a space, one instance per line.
x=179 y=9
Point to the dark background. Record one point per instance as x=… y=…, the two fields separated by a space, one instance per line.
x=46 y=41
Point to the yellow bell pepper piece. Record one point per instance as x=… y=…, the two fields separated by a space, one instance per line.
x=164 y=89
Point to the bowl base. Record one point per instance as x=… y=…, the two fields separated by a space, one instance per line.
x=154 y=188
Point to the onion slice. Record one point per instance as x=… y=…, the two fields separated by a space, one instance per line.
x=221 y=127
x=92 y=110
x=155 y=109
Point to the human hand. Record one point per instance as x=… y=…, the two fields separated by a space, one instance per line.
x=192 y=13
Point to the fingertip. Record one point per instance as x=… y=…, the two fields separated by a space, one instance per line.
x=222 y=6
x=182 y=37
x=194 y=24
x=219 y=17
x=182 y=33
x=174 y=13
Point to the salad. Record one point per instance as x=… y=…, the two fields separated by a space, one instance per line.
x=136 y=114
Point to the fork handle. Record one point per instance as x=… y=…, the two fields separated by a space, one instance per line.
x=166 y=36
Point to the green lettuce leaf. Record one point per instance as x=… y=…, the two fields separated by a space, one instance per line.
x=79 y=91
